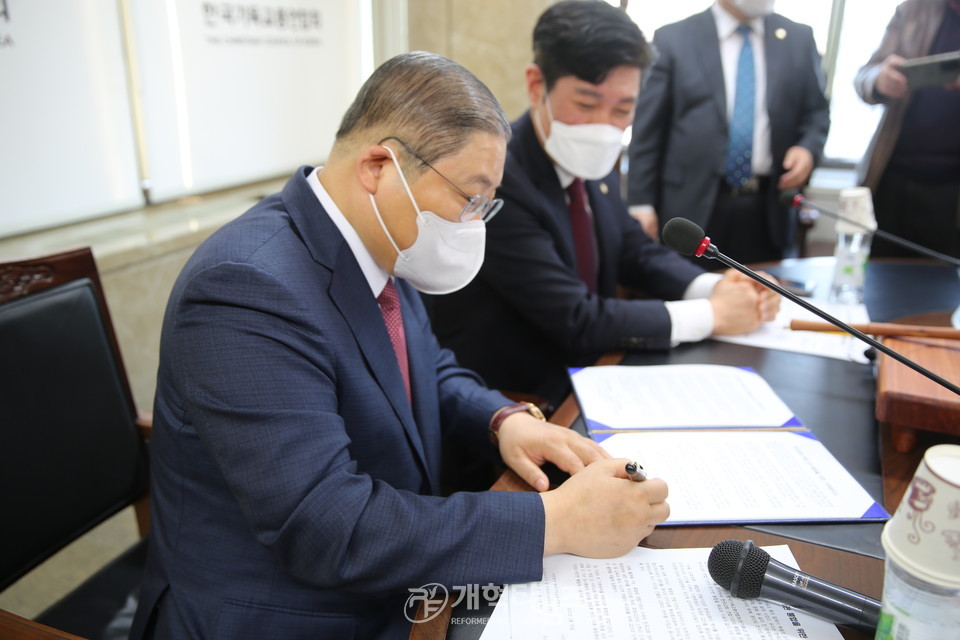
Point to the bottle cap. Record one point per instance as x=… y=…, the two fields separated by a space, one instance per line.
x=857 y=206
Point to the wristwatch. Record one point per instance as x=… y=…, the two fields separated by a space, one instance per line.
x=509 y=410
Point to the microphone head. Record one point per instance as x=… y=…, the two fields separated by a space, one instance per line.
x=727 y=562
x=682 y=235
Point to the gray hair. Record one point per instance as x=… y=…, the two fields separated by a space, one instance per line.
x=431 y=103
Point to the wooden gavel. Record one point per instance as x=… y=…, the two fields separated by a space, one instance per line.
x=882 y=329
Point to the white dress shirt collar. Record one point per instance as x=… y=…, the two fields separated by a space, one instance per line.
x=376 y=276
x=566 y=178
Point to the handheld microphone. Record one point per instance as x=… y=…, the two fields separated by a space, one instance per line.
x=687 y=238
x=797 y=199
x=748 y=572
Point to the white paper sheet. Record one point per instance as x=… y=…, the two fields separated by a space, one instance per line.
x=777 y=335
x=677 y=396
x=747 y=476
x=645 y=594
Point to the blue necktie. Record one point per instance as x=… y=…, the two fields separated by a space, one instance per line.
x=740 y=149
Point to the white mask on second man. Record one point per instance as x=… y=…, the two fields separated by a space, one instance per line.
x=588 y=151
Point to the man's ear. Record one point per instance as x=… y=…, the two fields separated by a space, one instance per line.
x=535 y=84
x=370 y=163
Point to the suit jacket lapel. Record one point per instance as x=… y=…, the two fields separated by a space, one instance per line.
x=544 y=177
x=706 y=47
x=423 y=386
x=775 y=52
x=604 y=225
x=348 y=290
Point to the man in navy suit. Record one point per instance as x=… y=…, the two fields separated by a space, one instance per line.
x=546 y=297
x=736 y=68
x=302 y=397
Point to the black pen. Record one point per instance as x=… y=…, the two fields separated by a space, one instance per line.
x=635 y=471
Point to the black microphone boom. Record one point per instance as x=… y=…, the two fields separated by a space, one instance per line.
x=686 y=237
x=797 y=199
x=748 y=572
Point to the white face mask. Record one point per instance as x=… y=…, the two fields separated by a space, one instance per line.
x=754 y=8
x=588 y=151
x=446 y=255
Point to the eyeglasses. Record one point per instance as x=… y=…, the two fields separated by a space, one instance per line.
x=479 y=207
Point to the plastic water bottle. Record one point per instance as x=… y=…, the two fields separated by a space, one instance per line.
x=915 y=609
x=853 y=245
x=852 y=254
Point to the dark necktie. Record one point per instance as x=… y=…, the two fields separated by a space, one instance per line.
x=582 y=227
x=740 y=149
x=390 y=308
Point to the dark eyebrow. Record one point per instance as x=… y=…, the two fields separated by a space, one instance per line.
x=590 y=93
x=596 y=95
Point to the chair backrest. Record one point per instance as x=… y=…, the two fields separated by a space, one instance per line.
x=71 y=454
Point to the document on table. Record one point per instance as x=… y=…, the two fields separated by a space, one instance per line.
x=647 y=593
x=751 y=476
x=677 y=396
x=777 y=334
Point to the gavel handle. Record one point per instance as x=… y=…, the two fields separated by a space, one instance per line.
x=882 y=329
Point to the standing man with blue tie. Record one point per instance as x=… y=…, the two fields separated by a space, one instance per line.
x=732 y=113
x=302 y=397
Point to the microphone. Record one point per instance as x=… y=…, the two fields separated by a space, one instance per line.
x=797 y=199
x=687 y=238
x=748 y=572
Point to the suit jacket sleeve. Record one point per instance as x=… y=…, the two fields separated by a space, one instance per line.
x=259 y=376
x=865 y=81
x=815 y=113
x=650 y=129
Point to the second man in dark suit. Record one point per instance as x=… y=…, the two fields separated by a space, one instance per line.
x=732 y=113
x=546 y=296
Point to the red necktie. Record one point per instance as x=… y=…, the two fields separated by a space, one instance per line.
x=582 y=227
x=390 y=308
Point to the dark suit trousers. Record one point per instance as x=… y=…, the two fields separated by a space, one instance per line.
x=924 y=213
x=739 y=227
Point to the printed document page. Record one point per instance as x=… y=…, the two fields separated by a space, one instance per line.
x=677 y=396
x=747 y=476
x=645 y=594
x=776 y=334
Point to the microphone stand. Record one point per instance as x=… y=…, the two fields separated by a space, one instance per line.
x=800 y=201
x=710 y=251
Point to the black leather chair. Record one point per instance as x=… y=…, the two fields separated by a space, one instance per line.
x=72 y=451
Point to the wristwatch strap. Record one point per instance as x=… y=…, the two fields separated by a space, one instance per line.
x=509 y=410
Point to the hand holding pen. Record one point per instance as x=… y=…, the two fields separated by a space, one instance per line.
x=595 y=514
